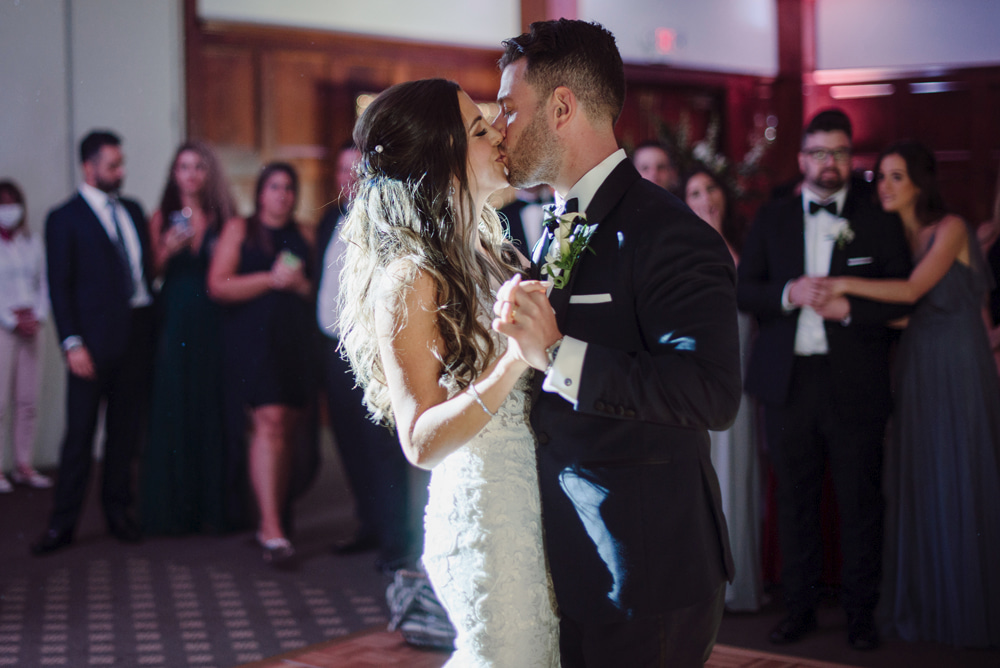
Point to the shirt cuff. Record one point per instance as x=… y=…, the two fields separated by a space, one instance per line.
x=564 y=376
x=71 y=342
x=786 y=303
x=8 y=321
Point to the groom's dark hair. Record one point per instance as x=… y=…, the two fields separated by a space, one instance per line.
x=579 y=55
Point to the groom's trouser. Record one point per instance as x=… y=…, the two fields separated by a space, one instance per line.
x=803 y=436
x=681 y=638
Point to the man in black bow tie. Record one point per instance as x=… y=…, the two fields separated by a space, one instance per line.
x=821 y=369
x=638 y=353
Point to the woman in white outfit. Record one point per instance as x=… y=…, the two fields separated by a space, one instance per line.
x=426 y=254
x=24 y=305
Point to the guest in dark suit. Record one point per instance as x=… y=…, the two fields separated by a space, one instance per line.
x=639 y=360
x=98 y=269
x=375 y=466
x=822 y=372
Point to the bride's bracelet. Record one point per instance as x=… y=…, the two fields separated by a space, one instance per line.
x=479 y=400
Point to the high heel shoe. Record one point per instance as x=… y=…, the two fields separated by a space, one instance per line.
x=277 y=551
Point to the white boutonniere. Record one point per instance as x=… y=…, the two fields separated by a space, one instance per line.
x=570 y=238
x=841 y=232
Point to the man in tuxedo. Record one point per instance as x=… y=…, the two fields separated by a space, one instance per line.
x=373 y=459
x=639 y=354
x=821 y=369
x=98 y=271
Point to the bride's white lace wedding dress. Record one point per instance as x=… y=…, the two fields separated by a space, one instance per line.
x=483 y=546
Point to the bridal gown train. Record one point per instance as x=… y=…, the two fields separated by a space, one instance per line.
x=483 y=546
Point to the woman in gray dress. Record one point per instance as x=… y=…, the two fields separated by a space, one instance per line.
x=942 y=469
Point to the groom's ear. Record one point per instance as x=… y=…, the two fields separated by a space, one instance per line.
x=564 y=106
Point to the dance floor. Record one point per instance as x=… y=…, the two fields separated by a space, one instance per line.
x=378 y=648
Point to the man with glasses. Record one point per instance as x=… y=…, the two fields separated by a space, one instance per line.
x=820 y=366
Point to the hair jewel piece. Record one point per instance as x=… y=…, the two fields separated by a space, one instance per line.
x=378 y=148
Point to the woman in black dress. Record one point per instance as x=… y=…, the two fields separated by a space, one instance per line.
x=260 y=273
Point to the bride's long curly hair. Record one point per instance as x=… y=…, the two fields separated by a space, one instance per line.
x=413 y=213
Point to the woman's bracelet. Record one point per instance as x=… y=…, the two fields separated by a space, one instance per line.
x=479 y=400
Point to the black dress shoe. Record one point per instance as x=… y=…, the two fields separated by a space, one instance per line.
x=52 y=540
x=125 y=529
x=793 y=627
x=862 y=634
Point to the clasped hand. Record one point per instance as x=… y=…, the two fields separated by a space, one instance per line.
x=523 y=314
x=823 y=294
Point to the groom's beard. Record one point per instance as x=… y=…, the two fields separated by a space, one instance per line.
x=535 y=159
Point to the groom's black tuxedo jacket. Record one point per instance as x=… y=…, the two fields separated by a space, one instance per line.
x=630 y=501
x=87 y=286
x=858 y=352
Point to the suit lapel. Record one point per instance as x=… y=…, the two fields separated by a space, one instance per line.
x=795 y=234
x=542 y=245
x=838 y=257
x=607 y=197
x=92 y=225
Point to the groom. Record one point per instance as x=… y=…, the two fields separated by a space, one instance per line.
x=639 y=359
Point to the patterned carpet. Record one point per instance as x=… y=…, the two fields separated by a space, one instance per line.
x=204 y=601
x=132 y=610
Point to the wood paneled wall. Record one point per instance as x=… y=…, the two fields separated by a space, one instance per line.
x=264 y=93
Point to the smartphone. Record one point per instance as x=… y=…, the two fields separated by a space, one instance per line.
x=290 y=259
x=181 y=220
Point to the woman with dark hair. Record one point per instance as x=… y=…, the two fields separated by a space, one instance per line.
x=426 y=254
x=260 y=272
x=24 y=306
x=943 y=463
x=709 y=197
x=183 y=464
x=734 y=451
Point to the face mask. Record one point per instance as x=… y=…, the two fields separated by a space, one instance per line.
x=10 y=215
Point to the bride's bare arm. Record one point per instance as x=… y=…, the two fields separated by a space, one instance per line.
x=431 y=425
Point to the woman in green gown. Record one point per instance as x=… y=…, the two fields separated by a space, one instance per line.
x=184 y=464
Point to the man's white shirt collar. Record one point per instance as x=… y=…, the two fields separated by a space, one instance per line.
x=96 y=198
x=585 y=189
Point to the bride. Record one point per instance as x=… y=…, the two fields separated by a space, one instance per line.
x=425 y=257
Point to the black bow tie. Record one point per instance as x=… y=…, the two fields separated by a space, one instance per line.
x=572 y=206
x=816 y=206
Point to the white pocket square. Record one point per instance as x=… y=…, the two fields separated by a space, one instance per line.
x=602 y=298
x=858 y=261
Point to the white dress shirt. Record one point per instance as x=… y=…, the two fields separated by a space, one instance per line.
x=23 y=282
x=99 y=201
x=564 y=376
x=810 y=334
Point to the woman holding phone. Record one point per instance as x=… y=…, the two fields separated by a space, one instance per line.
x=184 y=460
x=260 y=273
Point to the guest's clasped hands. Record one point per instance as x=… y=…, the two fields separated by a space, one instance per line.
x=822 y=294
x=523 y=314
